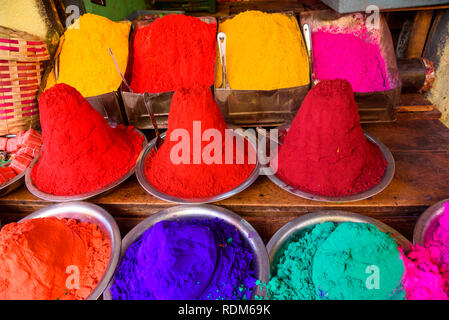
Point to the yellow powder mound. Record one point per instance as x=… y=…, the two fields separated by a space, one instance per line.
x=85 y=62
x=263 y=52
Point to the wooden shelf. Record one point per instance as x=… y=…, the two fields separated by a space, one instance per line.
x=420 y=148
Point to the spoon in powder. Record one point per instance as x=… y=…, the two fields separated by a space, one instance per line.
x=308 y=39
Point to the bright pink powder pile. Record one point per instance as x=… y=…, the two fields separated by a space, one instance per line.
x=346 y=56
x=426 y=274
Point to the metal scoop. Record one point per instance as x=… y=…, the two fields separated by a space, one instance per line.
x=119 y=72
x=149 y=106
x=146 y=101
x=221 y=39
x=308 y=39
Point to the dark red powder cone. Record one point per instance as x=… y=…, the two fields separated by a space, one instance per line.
x=325 y=151
x=202 y=179
x=81 y=152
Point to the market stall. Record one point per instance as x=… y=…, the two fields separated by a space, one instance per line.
x=359 y=153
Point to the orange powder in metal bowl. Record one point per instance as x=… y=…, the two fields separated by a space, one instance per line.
x=40 y=259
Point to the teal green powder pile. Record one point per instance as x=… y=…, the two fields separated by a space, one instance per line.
x=339 y=261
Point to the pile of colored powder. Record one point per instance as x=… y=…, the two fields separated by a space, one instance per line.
x=339 y=55
x=41 y=258
x=81 y=152
x=427 y=268
x=85 y=62
x=174 y=51
x=325 y=151
x=195 y=176
x=263 y=52
x=186 y=260
x=336 y=262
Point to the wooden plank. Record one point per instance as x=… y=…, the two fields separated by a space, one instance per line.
x=418 y=35
x=420 y=149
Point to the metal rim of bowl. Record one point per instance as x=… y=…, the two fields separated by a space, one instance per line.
x=12 y=184
x=281 y=238
x=192 y=211
x=89 y=212
x=141 y=177
x=83 y=196
x=428 y=222
x=386 y=178
x=15 y=182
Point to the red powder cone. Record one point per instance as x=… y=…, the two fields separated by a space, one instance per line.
x=325 y=151
x=175 y=51
x=201 y=179
x=81 y=152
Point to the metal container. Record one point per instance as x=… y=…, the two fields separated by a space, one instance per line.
x=84 y=196
x=428 y=223
x=141 y=177
x=15 y=183
x=88 y=212
x=109 y=107
x=190 y=212
x=263 y=108
x=135 y=110
x=300 y=225
x=386 y=178
x=137 y=113
x=378 y=106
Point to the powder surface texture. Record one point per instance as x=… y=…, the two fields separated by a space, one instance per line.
x=263 y=52
x=81 y=152
x=347 y=56
x=427 y=268
x=173 y=52
x=198 y=259
x=35 y=255
x=85 y=62
x=325 y=151
x=201 y=179
x=330 y=262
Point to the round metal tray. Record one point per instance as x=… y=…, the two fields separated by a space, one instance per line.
x=386 y=179
x=14 y=183
x=88 y=212
x=280 y=239
x=427 y=223
x=141 y=177
x=189 y=212
x=83 y=196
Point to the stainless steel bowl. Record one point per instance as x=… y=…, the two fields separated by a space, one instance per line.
x=14 y=183
x=141 y=177
x=88 y=212
x=189 y=212
x=386 y=179
x=78 y=197
x=427 y=223
x=280 y=240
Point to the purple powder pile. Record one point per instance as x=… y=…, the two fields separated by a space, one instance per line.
x=186 y=260
x=346 y=56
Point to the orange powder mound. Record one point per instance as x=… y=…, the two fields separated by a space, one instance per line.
x=35 y=254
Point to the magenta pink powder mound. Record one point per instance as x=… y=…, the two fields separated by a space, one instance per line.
x=426 y=274
x=346 y=56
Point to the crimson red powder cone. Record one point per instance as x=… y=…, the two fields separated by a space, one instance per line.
x=81 y=152
x=325 y=151
x=196 y=180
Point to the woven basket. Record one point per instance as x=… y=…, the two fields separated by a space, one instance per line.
x=21 y=69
